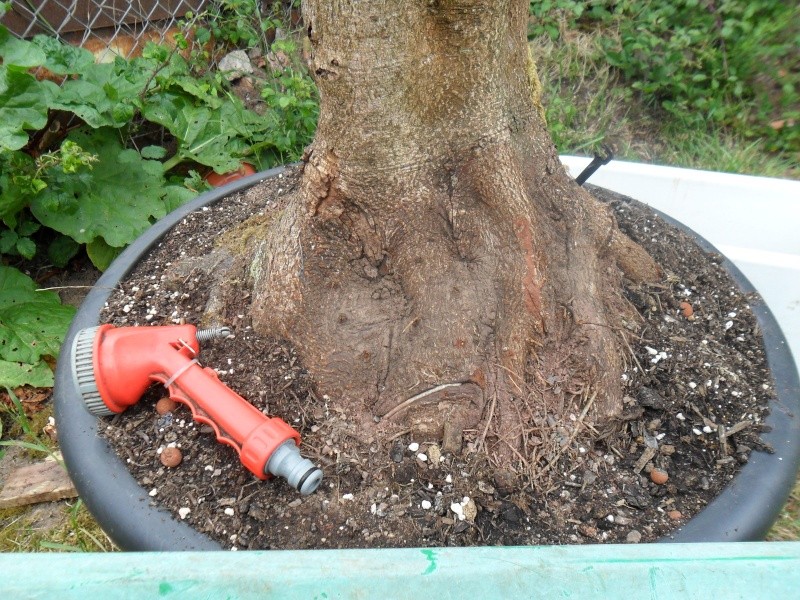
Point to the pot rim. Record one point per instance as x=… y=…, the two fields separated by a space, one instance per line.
x=743 y=511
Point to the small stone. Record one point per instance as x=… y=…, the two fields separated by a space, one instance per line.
x=171 y=457
x=396 y=453
x=634 y=537
x=165 y=405
x=470 y=511
x=184 y=512
x=235 y=65
x=434 y=453
x=659 y=476
x=229 y=511
x=675 y=515
x=587 y=530
x=425 y=504
x=505 y=482
x=422 y=457
x=413 y=446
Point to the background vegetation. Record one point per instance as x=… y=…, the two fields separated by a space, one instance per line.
x=91 y=154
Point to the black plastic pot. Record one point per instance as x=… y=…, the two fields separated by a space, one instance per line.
x=744 y=511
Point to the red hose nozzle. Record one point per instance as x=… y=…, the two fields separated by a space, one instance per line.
x=113 y=366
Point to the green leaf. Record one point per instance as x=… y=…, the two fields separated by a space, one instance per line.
x=62 y=59
x=215 y=138
x=154 y=152
x=23 y=106
x=14 y=374
x=19 y=53
x=16 y=184
x=115 y=200
x=32 y=323
x=27 y=228
x=61 y=250
x=103 y=96
x=26 y=248
x=176 y=195
x=8 y=239
x=101 y=254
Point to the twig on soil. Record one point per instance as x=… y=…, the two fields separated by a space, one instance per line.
x=706 y=421
x=406 y=403
x=633 y=354
x=572 y=436
x=72 y=287
x=645 y=458
x=399 y=434
x=488 y=422
x=737 y=428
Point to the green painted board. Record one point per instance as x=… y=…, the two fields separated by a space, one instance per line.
x=647 y=571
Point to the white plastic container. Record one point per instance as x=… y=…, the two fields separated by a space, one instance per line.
x=754 y=221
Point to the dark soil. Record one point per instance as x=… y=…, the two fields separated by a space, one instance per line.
x=697 y=391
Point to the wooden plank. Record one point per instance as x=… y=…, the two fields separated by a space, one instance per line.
x=746 y=570
x=45 y=481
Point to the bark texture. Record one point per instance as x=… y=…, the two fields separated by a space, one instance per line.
x=438 y=265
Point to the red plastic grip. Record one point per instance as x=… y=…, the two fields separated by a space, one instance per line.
x=128 y=359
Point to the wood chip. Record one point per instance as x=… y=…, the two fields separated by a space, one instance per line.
x=645 y=458
x=723 y=440
x=737 y=428
x=452 y=438
x=46 y=481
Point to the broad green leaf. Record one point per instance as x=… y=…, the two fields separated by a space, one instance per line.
x=23 y=106
x=14 y=374
x=154 y=152
x=115 y=200
x=206 y=136
x=103 y=96
x=177 y=195
x=62 y=249
x=19 y=53
x=60 y=58
x=32 y=323
x=101 y=254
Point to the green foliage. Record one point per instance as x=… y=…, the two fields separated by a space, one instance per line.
x=32 y=327
x=24 y=103
x=292 y=98
x=240 y=23
x=71 y=174
x=723 y=63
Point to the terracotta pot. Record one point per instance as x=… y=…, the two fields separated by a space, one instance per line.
x=216 y=180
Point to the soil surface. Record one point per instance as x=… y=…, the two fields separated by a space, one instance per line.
x=697 y=387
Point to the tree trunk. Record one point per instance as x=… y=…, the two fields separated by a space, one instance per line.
x=438 y=267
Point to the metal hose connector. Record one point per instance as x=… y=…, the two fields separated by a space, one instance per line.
x=210 y=333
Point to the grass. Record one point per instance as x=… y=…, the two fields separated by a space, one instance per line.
x=587 y=104
x=787 y=527
x=69 y=527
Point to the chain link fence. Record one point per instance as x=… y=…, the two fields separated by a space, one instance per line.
x=107 y=28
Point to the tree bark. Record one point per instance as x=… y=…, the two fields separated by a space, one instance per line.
x=438 y=266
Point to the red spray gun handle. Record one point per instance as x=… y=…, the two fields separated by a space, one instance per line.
x=113 y=367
